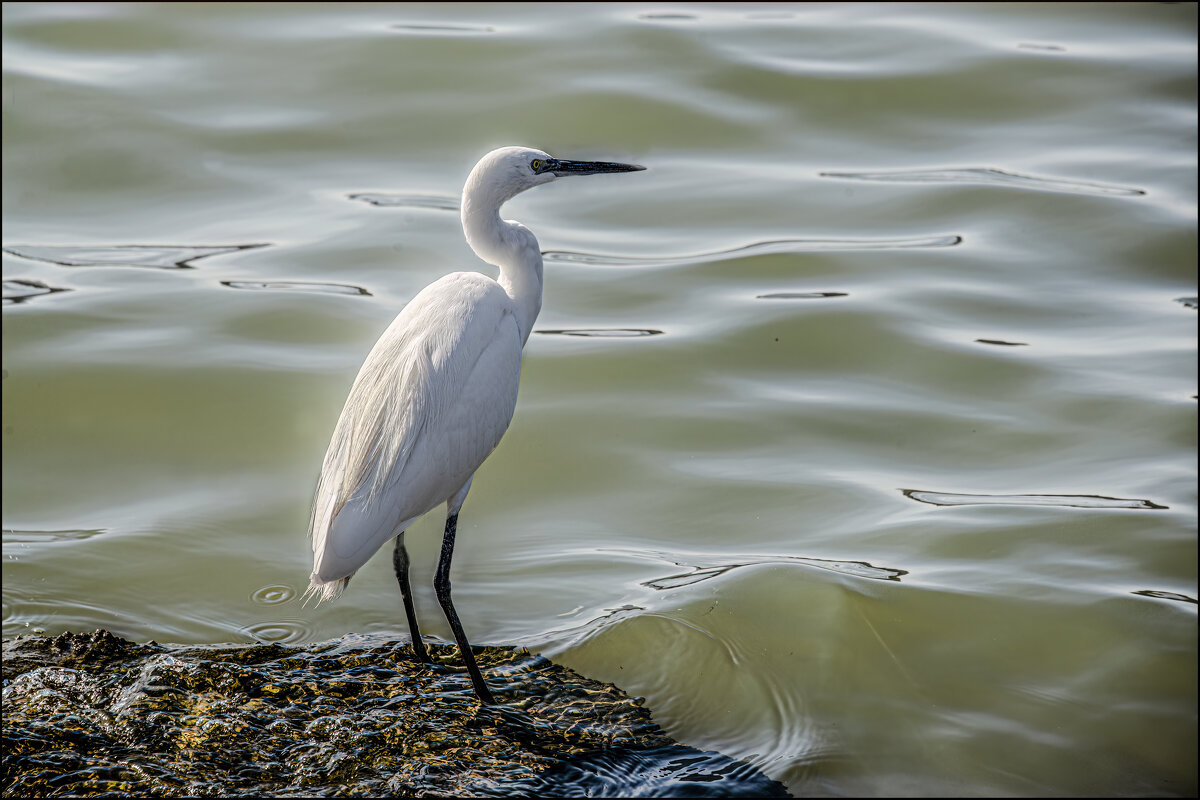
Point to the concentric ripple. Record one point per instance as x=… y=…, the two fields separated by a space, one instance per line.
x=273 y=595
x=283 y=631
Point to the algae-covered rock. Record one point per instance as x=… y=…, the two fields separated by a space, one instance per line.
x=93 y=714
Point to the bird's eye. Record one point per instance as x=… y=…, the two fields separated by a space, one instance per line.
x=536 y=164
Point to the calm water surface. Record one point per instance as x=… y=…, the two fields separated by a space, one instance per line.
x=857 y=434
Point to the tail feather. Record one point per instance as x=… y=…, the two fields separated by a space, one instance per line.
x=324 y=590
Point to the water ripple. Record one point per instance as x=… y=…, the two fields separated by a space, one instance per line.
x=284 y=631
x=1046 y=48
x=130 y=255
x=1002 y=343
x=18 y=290
x=697 y=573
x=1069 y=500
x=800 y=295
x=753 y=249
x=670 y=771
x=990 y=177
x=664 y=15
x=611 y=333
x=441 y=29
x=299 y=286
x=387 y=200
x=273 y=595
x=588 y=627
x=14 y=536
x=1160 y=595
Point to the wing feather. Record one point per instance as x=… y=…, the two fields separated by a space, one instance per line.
x=430 y=403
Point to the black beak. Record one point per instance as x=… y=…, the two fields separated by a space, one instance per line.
x=562 y=167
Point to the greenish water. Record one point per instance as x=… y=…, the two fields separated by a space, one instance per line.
x=858 y=436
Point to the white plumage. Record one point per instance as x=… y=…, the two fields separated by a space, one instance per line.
x=446 y=371
x=435 y=395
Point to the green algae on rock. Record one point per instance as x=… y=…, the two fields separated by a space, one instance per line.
x=93 y=714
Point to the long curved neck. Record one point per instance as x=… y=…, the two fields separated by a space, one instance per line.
x=514 y=249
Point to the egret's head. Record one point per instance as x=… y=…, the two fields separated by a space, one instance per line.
x=504 y=173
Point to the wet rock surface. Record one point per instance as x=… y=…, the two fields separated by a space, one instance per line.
x=93 y=714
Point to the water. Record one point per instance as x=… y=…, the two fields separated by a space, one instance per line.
x=858 y=434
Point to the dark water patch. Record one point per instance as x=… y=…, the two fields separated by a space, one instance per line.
x=1190 y=302
x=859 y=569
x=753 y=249
x=131 y=255
x=609 y=333
x=90 y=714
x=1002 y=343
x=20 y=290
x=387 y=200
x=1159 y=595
x=988 y=177
x=800 y=295
x=299 y=286
x=1067 y=500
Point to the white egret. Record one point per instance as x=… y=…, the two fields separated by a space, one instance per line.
x=435 y=394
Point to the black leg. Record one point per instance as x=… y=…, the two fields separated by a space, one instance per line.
x=400 y=563
x=441 y=586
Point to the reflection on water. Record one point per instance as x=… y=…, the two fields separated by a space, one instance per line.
x=17 y=536
x=1159 y=595
x=859 y=569
x=133 y=255
x=441 y=29
x=299 y=286
x=391 y=200
x=666 y=16
x=801 y=295
x=987 y=177
x=753 y=249
x=602 y=332
x=1067 y=500
x=20 y=291
x=1048 y=48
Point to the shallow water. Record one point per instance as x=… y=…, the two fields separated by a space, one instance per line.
x=857 y=434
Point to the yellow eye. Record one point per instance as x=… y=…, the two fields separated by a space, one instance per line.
x=536 y=164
